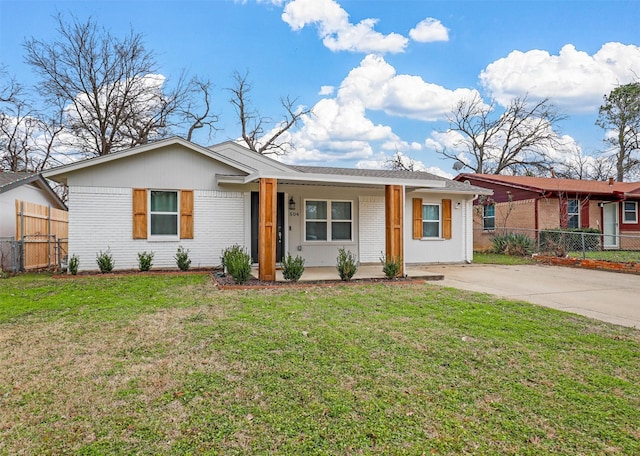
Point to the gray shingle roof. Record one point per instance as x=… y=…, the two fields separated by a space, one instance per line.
x=10 y=179
x=382 y=173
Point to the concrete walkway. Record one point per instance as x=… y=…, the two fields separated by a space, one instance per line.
x=607 y=296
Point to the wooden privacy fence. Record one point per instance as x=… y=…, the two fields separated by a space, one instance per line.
x=42 y=232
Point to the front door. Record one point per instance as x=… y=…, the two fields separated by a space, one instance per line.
x=610 y=226
x=255 y=220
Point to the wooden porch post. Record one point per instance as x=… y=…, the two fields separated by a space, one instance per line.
x=267 y=230
x=394 y=223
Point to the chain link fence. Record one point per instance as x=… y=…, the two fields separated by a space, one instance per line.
x=585 y=243
x=33 y=252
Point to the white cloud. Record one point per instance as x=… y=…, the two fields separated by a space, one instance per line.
x=340 y=129
x=326 y=90
x=429 y=30
x=376 y=84
x=574 y=80
x=337 y=33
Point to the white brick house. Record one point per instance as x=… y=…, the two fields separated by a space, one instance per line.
x=174 y=193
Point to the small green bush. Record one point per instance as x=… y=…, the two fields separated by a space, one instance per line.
x=74 y=263
x=347 y=264
x=292 y=268
x=182 y=259
x=105 y=261
x=237 y=262
x=515 y=244
x=390 y=266
x=145 y=260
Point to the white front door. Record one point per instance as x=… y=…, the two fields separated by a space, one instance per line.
x=610 y=226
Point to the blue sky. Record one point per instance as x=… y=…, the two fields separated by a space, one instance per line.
x=380 y=75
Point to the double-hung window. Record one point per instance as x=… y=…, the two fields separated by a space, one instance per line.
x=630 y=212
x=489 y=217
x=163 y=213
x=430 y=220
x=327 y=220
x=573 y=213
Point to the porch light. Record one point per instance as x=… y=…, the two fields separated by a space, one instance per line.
x=292 y=204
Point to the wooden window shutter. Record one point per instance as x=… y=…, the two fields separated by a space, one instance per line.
x=584 y=213
x=446 y=218
x=186 y=214
x=417 y=218
x=139 y=213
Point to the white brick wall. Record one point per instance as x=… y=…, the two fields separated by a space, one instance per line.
x=371 y=229
x=101 y=218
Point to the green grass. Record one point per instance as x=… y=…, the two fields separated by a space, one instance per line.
x=169 y=365
x=619 y=256
x=500 y=258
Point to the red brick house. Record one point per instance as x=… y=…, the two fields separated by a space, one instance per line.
x=538 y=203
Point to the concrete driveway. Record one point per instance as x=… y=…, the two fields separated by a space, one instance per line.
x=607 y=296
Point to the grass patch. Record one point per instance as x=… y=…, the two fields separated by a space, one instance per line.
x=168 y=365
x=500 y=258
x=618 y=256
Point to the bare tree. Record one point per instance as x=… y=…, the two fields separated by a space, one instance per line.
x=587 y=167
x=517 y=141
x=205 y=118
x=253 y=124
x=400 y=162
x=620 y=114
x=114 y=95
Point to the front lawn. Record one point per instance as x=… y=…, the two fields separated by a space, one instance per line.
x=618 y=256
x=170 y=365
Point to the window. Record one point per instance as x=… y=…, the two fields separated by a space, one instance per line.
x=328 y=220
x=430 y=220
x=163 y=213
x=630 y=212
x=489 y=217
x=573 y=213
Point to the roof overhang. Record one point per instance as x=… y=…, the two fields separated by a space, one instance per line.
x=325 y=178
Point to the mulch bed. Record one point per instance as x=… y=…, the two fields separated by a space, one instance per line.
x=129 y=272
x=226 y=282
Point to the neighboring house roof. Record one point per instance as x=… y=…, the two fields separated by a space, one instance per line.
x=555 y=185
x=252 y=166
x=13 y=179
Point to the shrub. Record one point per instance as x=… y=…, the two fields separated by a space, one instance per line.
x=292 y=268
x=105 y=261
x=514 y=244
x=74 y=262
x=347 y=264
x=237 y=262
x=390 y=266
x=145 y=260
x=182 y=258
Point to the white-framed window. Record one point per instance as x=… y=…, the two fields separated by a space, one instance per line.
x=328 y=220
x=431 y=220
x=164 y=218
x=630 y=212
x=573 y=213
x=489 y=217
